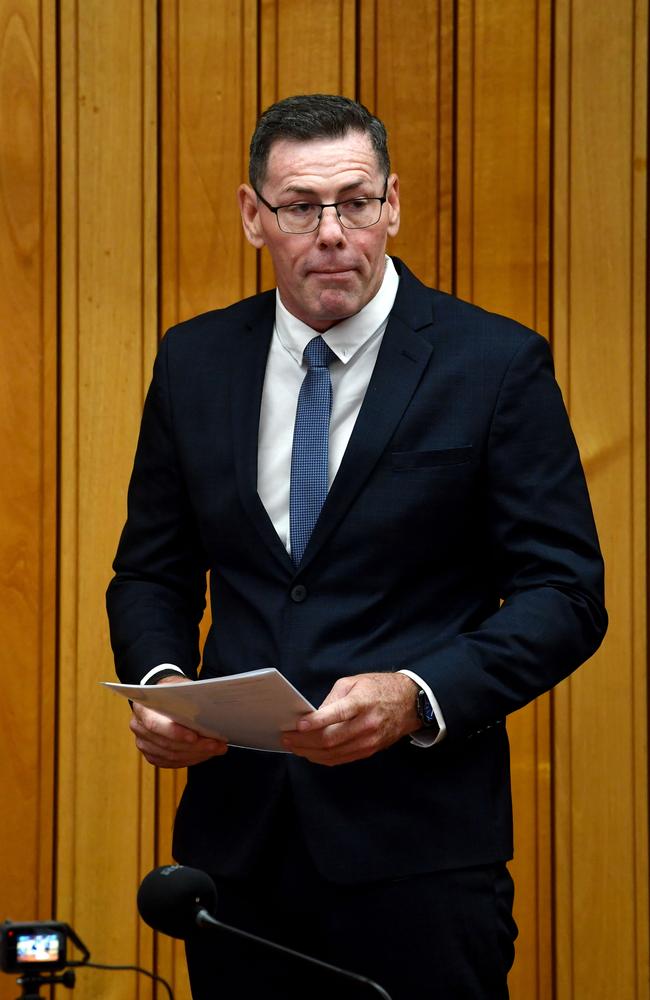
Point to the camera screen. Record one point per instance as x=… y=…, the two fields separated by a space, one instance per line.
x=38 y=948
x=39 y=945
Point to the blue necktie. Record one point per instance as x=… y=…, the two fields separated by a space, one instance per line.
x=309 y=457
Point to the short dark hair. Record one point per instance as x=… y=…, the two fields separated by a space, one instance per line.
x=313 y=116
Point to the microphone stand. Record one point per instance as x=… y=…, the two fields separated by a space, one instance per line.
x=205 y=919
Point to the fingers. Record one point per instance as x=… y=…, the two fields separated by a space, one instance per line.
x=160 y=728
x=335 y=746
x=165 y=743
x=342 y=687
x=332 y=714
x=320 y=735
x=360 y=716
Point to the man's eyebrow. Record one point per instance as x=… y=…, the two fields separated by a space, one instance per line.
x=305 y=190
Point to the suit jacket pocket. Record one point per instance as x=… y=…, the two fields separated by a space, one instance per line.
x=402 y=461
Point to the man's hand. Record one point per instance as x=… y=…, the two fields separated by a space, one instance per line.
x=168 y=744
x=360 y=716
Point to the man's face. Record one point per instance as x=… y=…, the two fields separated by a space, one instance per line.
x=332 y=273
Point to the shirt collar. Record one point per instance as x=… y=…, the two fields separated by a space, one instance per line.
x=347 y=337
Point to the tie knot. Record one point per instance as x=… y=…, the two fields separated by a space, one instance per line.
x=318 y=354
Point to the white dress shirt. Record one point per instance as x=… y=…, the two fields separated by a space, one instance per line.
x=355 y=343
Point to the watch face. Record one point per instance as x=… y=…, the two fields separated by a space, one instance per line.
x=425 y=709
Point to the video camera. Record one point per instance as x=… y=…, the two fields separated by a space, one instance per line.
x=37 y=952
x=39 y=946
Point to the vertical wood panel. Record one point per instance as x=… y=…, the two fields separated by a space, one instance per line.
x=306 y=48
x=599 y=331
x=28 y=477
x=406 y=77
x=108 y=333
x=502 y=237
x=208 y=102
x=502 y=157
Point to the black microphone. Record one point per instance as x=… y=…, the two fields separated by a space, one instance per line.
x=176 y=900
x=171 y=898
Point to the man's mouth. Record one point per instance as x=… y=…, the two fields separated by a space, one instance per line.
x=331 y=271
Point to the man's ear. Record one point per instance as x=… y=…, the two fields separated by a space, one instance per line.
x=392 y=204
x=250 y=216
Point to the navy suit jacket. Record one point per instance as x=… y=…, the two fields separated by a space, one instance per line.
x=457 y=540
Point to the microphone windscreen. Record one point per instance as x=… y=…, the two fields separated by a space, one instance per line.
x=170 y=897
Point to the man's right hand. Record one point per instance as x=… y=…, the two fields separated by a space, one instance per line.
x=165 y=743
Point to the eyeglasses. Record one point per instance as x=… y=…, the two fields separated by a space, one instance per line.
x=304 y=217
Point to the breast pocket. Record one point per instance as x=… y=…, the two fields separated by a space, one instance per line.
x=405 y=461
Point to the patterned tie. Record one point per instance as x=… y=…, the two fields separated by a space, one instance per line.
x=309 y=457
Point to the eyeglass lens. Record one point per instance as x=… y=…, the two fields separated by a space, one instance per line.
x=304 y=217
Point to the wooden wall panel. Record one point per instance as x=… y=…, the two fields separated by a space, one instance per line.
x=28 y=407
x=108 y=336
x=406 y=77
x=306 y=48
x=209 y=106
x=501 y=263
x=503 y=197
x=599 y=322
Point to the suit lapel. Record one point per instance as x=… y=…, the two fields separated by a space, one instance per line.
x=250 y=352
x=402 y=359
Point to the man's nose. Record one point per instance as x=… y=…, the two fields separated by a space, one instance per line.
x=330 y=230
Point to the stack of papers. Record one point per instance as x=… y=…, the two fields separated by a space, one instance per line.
x=249 y=710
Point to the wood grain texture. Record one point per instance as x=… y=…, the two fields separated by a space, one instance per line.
x=108 y=334
x=306 y=48
x=599 y=326
x=28 y=407
x=502 y=197
x=208 y=50
x=502 y=200
x=406 y=77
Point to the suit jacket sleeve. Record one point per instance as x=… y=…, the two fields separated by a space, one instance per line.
x=541 y=550
x=157 y=597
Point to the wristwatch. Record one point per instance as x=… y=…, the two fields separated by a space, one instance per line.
x=424 y=710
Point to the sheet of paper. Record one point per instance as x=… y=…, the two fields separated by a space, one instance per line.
x=247 y=710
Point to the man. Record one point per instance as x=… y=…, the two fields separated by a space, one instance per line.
x=452 y=575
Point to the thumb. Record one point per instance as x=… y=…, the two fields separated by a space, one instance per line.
x=341 y=689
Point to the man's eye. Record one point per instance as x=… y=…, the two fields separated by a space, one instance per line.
x=356 y=205
x=299 y=208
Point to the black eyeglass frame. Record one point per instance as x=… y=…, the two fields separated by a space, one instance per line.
x=333 y=204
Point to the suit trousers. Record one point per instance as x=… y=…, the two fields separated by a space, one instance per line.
x=447 y=935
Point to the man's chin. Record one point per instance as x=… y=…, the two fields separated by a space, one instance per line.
x=328 y=307
x=335 y=305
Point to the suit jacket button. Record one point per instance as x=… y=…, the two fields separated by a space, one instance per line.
x=298 y=593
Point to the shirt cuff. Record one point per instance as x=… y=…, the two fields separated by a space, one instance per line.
x=422 y=738
x=162 y=670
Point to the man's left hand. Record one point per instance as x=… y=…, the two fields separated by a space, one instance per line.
x=360 y=716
